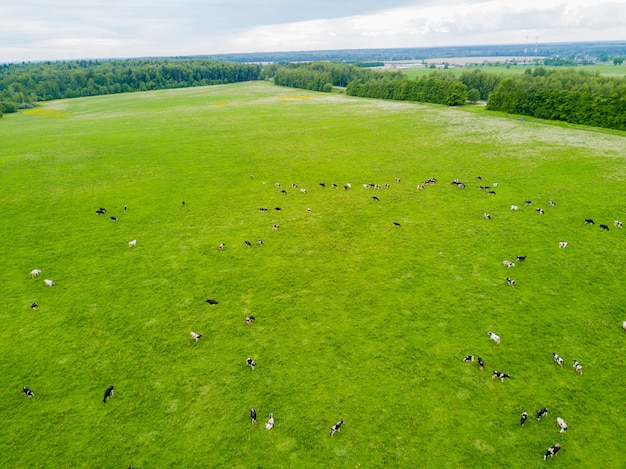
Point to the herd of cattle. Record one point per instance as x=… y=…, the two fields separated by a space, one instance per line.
x=552 y=451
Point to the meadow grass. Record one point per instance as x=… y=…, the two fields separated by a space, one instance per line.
x=608 y=70
x=356 y=318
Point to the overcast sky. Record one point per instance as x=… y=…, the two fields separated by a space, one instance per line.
x=71 y=29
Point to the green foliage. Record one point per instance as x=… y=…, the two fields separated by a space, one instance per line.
x=8 y=107
x=473 y=95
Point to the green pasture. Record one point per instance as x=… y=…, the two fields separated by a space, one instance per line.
x=356 y=318
x=603 y=69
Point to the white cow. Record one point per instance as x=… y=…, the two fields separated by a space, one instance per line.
x=561 y=423
x=34 y=273
x=563 y=244
x=132 y=243
x=270 y=423
x=49 y=282
x=514 y=207
x=494 y=337
x=508 y=264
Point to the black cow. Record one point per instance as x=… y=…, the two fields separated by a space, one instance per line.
x=395 y=223
x=114 y=218
x=521 y=258
x=211 y=302
x=108 y=393
x=604 y=227
x=589 y=221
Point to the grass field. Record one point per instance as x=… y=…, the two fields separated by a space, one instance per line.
x=356 y=318
x=608 y=70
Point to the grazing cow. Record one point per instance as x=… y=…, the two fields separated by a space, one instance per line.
x=347 y=186
x=322 y=184
x=248 y=243
x=499 y=374
x=481 y=363
x=514 y=207
x=539 y=211
x=336 y=427
x=108 y=393
x=487 y=216
x=558 y=360
x=508 y=264
x=617 y=223
x=480 y=178
x=270 y=423
x=395 y=223
x=495 y=184
x=491 y=192
x=494 y=337
x=523 y=419
x=275 y=227
x=561 y=423
x=529 y=202
x=195 y=336
x=101 y=211
x=253 y=415
x=113 y=218
x=334 y=186
x=563 y=244
x=34 y=273
x=125 y=208
x=552 y=203
x=387 y=186
x=221 y=246
x=366 y=186
x=589 y=221
x=469 y=358
x=34 y=305
x=521 y=258
x=49 y=282
x=303 y=190
x=250 y=362
x=211 y=302
x=28 y=392
x=294 y=186
x=277 y=184
x=250 y=320
x=510 y=281
x=308 y=210
x=260 y=241
x=262 y=209
x=578 y=367
x=132 y=243
x=283 y=192
x=604 y=227
x=374 y=198
x=541 y=413
x=552 y=450
x=482 y=188
x=278 y=209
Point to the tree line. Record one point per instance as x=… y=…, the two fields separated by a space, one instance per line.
x=23 y=85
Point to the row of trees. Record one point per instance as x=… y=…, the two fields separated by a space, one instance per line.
x=22 y=85
x=565 y=95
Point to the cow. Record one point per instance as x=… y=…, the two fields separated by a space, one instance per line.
x=563 y=244
x=250 y=362
x=262 y=209
x=541 y=413
x=101 y=211
x=196 y=336
x=303 y=190
x=270 y=423
x=277 y=209
x=558 y=360
x=589 y=221
x=508 y=264
x=481 y=363
x=523 y=419
x=578 y=367
x=469 y=358
x=294 y=186
x=49 y=282
x=387 y=186
x=495 y=184
x=184 y=204
x=211 y=302
x=113 y=218
x=108 y=393
x=552 y=450
x=277 y=184
x=275 y=227
x=499 y=374
x=250 y=320
x=562 y=425
x=308 y=210
x=322 y=184
x=395 y=223
x=334 y=186
x=617 y=223
x=510 y=281
x=494 y=337
x=347 y=186
x=624 y=325
x=521 y=258
x=132 y=243
x=514 y=207
x=34 y=273
x=253 y=415
x=34 y=305
x=125 y=208
x=491 y=192
x=480 y=178
x=27 y=392
x=248 y=243
x=539 y=211
x=260 y=241
x=375 y=199
x=604 y=227
x=487 y=216
x=283 y=192
x=420 y=187
x=552 y=203
x=529 y=202
x=336 y=427
x=221 y=246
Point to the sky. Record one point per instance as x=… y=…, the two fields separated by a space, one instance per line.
x=32 y=30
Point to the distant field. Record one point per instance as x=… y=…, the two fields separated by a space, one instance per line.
x=356 y=318
x=604 y=69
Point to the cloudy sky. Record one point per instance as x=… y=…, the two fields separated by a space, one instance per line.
x=70 y=29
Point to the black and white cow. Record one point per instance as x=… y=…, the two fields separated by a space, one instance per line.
x=253 y=415
x=520 y=258
x=589 y=221
x=469 y=358
x=195 y=336
x=578 y=367
x=248 y=243
x=562 y=425
x=542 y=413
x=250 y=319
x=250 y=362
x=108 y=393
x=604 y=227
x=523 y=419
x=495 y=337
x=552 y=450
x=499 y=374
x=27 y=392
x=557 y=359
x=212 y=302
x=481 y=363
x=336 y=427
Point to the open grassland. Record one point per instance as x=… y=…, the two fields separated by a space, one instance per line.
x=356 y=318
x=608 y=70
